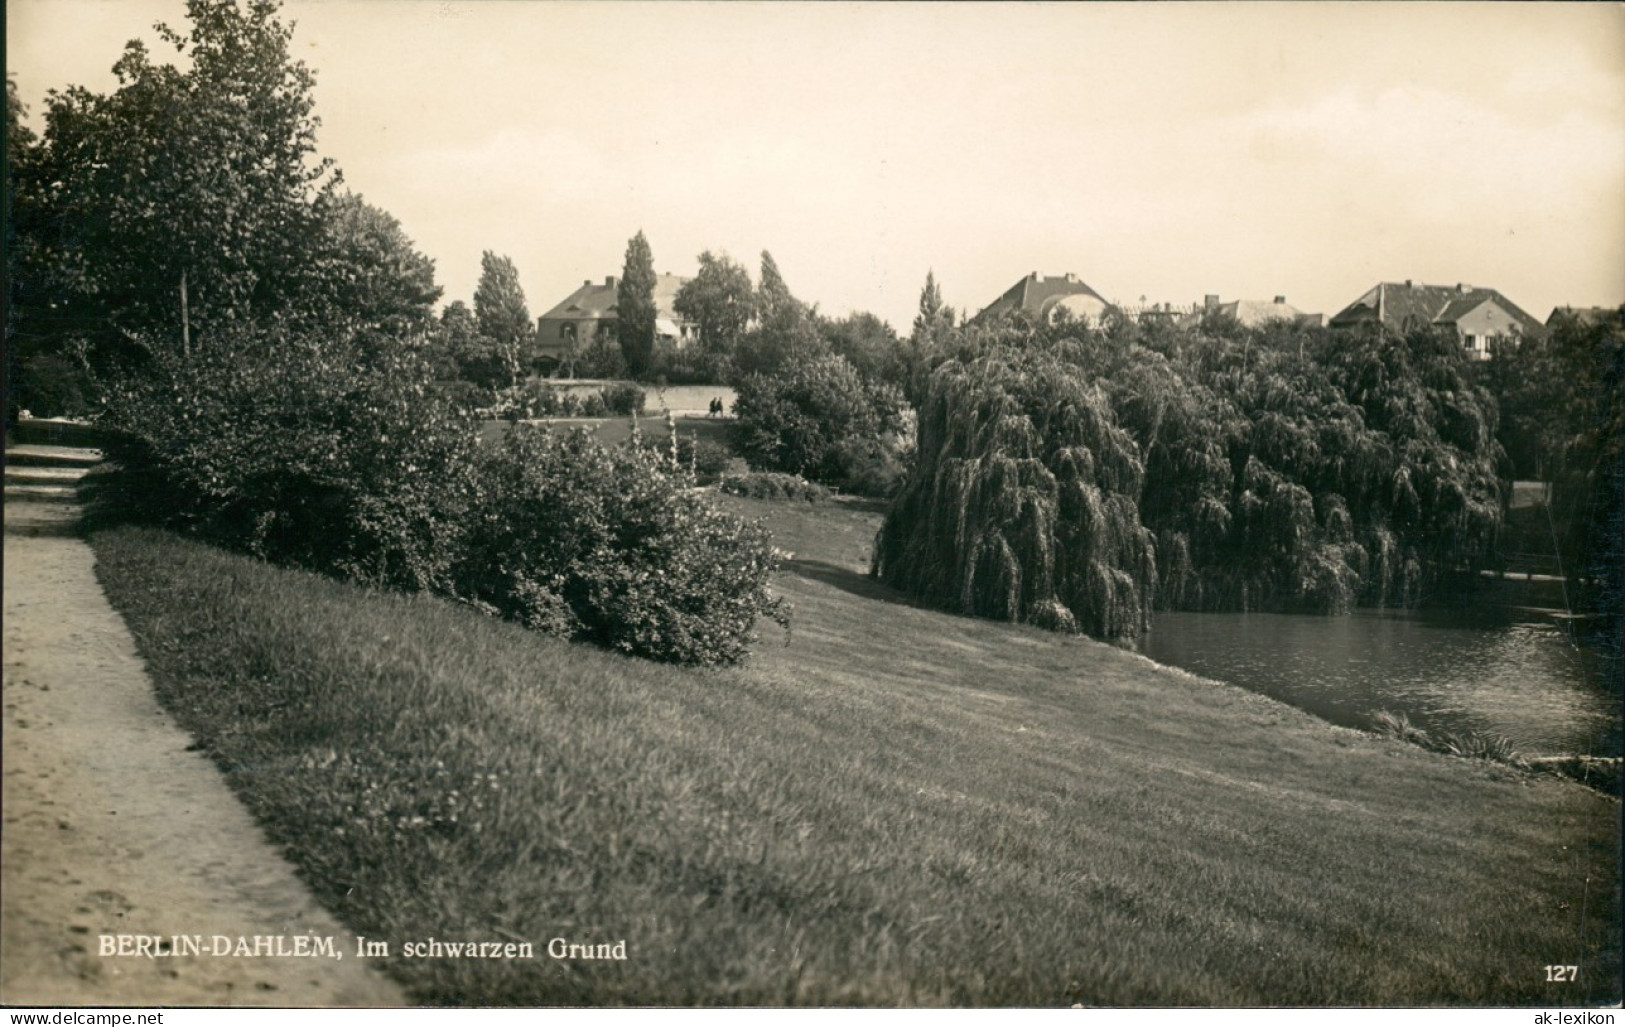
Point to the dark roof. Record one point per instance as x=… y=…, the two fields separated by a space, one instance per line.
x=1252 y=313
x=597 y=300
x=1033 y=295
x=1587 y=315
x=1402 y=305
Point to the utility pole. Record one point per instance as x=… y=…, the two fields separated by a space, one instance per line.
x=186 y=322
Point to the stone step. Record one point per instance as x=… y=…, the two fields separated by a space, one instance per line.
x=51 y=431
x=41 y=493
x=60 y=520
x=52 y=456
x=44 y=475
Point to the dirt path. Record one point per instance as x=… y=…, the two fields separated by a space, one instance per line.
x=111 y=826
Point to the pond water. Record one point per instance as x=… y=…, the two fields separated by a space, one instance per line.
x=1445 y=670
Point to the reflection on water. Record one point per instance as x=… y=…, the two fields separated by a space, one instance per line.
x=1525 y=681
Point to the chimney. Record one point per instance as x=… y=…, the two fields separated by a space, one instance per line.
x=586 y=281
x=1409 y=284
x=1280 y=299
x=1210 y=301
x=1071 y=277
x=1463 y=288
x=609 y=281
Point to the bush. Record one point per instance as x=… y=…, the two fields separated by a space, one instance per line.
x=773 y=485
x=709 y=460
x=604 y=545
x=821 y=419
x=622 y=398
x=53 y=385
x=323 y=454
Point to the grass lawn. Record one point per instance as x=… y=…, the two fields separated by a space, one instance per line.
x=894 y=806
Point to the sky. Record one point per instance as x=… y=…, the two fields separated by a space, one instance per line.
x=1164 y=151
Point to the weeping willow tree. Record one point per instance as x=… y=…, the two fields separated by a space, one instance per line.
x=1021 y=506
x=1075 y=483
x=1319 y=475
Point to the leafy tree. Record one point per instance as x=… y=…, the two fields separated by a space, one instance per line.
x=720 y=300
x=774 y=295
x=635 y=306
x=786 y=331
x=1021 y=504
x=376 y=280
x=822 y=420
x=1586 y=357
x=471 y=356
x=20 y=142
x=870 y=345
x=18 y=135
x=200 y=181
x=499 y=306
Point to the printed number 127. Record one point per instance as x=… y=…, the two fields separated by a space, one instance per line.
x=1561 y=973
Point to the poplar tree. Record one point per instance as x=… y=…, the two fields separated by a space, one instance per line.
x=635 y=306
x=499 y=307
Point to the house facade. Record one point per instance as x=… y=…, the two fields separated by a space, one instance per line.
x=1044 y=297
x=1482 y=318
x=586 y=319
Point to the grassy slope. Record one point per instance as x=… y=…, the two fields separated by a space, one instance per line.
x=898 y=807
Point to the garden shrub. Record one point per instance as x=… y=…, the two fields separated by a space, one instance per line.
x=820 y=419
x=707 y=461
x=53 y=385
x=622 y=398
x=605 y=545
x=773 y=485
x=325 y=454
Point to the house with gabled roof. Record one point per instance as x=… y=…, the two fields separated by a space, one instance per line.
x=1251 y=313
x=1481 y=317
x=1043 y=299
x=587 y=318
x=1586 y=315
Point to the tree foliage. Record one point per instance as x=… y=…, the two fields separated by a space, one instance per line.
x=377 y=281
x=870 y=345
x=207 y=175
x=1021 y=505
x=1581 y=365
x=720 y=300
x=606 y=545
x=466 y=353
x=932 y=335
x=635 y=309
x=1275 y=471
x=786 y=329
x=499 y=307
x=822 y=420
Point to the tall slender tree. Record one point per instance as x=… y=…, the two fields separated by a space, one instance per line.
x=933 y=331
x=499 y=307
x=635 y=306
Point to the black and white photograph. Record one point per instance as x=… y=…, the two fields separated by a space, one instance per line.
x=796 y=505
